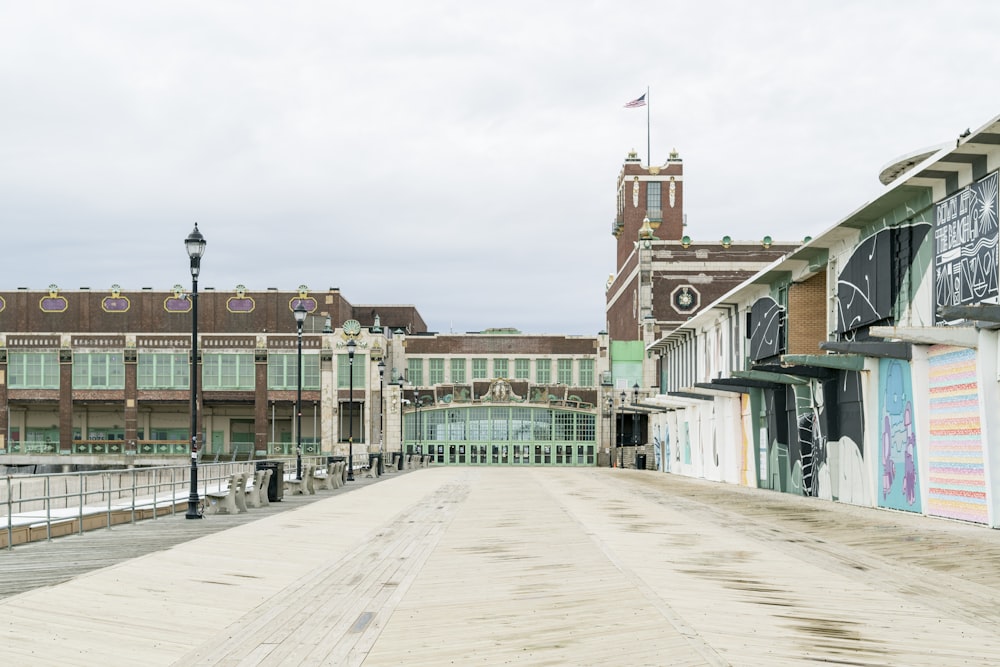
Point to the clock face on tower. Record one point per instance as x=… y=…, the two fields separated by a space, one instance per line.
x=352 y=327
x=685 y=299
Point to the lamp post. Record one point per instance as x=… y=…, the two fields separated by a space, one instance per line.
x=635 y=422
x=350 y=410
x=417 y=439
x=300 y=318
x=611 y=431
x=621 y=430
x=402 y=401
x=195 y=245
x=381 y=412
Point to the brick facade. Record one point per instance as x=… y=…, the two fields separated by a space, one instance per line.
x=807 y=315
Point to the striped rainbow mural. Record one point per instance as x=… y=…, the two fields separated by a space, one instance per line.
x=957 y=484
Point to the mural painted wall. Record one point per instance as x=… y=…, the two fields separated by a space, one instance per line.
x=965 y=245
x=897 y=463
x=767 y=322
x=875 y=275
x=957 y=482
x=841 y=474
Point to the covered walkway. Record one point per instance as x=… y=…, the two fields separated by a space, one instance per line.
x=532 y=566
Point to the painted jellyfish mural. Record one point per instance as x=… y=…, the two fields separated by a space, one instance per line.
x=898 y=451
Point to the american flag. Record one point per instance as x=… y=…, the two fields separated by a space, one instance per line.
x=638 y=102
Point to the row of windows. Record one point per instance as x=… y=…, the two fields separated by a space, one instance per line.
x=161 y=370
x=499 y=423
x=236 y=371
x=502 y=367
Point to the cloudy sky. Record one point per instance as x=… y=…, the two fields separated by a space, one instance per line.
x=459 y=156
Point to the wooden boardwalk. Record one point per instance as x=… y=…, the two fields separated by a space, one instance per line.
x=531 y=566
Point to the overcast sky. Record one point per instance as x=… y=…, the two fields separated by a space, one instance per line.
x=459 y=156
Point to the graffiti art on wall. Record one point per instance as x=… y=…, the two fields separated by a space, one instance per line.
x=965 y=245
x=897 y=463
x=767 y=320
x=957 y=484
x=869 y=285
x=838 y=428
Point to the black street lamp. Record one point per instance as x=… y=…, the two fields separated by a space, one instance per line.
x=195 y=245
x=635 y=421
x=300 y=318
x=611 y=433
x=350 y=410
x=381 y=411
x=621 y=431
x=417 y=437
x=399 y=382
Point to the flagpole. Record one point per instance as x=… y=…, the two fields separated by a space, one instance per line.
x=649 y=157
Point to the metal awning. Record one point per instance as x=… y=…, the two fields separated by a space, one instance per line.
x=958 y=336
x=773 y=378
x=878 y=349
x=840 y=362
x=986 y=313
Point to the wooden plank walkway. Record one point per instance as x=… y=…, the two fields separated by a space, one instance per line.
x=528 y=566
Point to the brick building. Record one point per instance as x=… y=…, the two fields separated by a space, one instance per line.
x=663 y=275
x=103 y=377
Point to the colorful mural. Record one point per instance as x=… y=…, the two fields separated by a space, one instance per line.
x=957 y=484
x=897 y=463
x=767 y=322
x=965 y=245
x=872 y=280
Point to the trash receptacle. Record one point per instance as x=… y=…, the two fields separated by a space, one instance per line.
x=375 y=463
x=640 y=461
x=276 y=485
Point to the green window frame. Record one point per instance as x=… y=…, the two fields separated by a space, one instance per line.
x=586 y=370
x=478 y=369
x=543 y=371
x=435 y=371
x=33 y=370
x=458 y=371
x=564 y=425
x=163 y=370
x=501 y=368
x=281 y=370
x=415 y=371
x=564 y=372
x=522 y=369
x=344 y=372
x=98 y=370
x=228 y=371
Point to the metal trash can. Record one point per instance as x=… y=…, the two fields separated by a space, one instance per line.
x=375 y=463
x=276 y=485
x=640 y=461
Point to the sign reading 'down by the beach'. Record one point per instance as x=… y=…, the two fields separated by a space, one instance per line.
x=965 y=245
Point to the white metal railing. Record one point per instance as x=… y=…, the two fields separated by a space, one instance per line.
x=79 y=501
